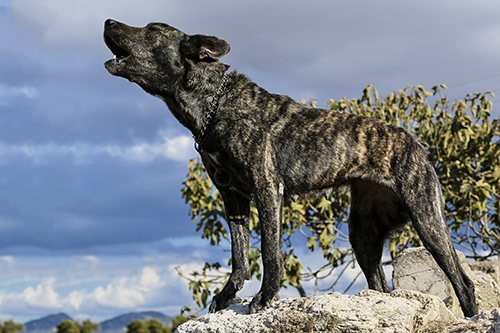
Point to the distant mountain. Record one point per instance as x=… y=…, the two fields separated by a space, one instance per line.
x=46 y=324
x=115 y=325
x=119 y=324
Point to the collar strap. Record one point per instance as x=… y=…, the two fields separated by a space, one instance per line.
x=212 y=110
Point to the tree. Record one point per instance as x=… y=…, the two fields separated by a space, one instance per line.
x=462 y=144
x=148 y=326
x=137 y=326
x=11 y=327
x=68 y=326
x=182 y=317
x=88 y=327
x=179 y=320
x=156 y=326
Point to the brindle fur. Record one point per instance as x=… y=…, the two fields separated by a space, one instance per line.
x=275 y=148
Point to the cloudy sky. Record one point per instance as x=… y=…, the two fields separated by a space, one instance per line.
x=91 y=217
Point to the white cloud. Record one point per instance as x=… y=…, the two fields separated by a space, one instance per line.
x=178 y=149
x=14 y=91
x=7 y=260
x=93 y=286
x=122 y=292
x=43 y=296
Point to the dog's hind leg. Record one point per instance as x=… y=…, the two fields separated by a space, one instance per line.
x=372 y=217
x=368 y=249
x=237 y=209
x=426 y=207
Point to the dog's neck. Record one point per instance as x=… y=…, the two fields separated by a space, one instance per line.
x=195 y=98
x=211 y=111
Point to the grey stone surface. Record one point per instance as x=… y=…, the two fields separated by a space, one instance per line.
x=485 y=322
x=415 y=269
x=487 y=284
x=369 y=311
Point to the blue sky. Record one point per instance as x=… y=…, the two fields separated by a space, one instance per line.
x=91 y=217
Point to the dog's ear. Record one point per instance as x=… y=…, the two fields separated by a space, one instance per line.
x=203 y=47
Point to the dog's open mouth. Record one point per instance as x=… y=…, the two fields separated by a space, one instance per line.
x=120 y=54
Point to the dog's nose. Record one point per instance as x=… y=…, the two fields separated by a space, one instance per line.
x=109 y=22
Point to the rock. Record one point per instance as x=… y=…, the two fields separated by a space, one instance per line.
x=487 y=282
x=416 y=269
x=433 y=311
x=369 y=311
x=486 y=322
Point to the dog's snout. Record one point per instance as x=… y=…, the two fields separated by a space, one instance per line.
x=109 y=22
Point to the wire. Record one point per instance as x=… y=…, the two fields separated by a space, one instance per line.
x=474 y=81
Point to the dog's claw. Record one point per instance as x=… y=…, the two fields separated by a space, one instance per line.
x=213 y=307
x=219 y=303
x=260 y=302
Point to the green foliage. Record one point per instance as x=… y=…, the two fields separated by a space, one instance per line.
x=179 y=320
x=137 y=326
x=68 y=326
x=156 y=326
x=88 y=327
x=148 y=326
x=185 y=315
x=205 y=203
x=10 y=326
x=462 y=144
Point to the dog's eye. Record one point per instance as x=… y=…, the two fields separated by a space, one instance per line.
x=153 y=28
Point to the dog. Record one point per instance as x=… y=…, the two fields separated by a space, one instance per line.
x=265 y=147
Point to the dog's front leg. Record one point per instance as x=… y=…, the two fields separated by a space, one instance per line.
x=269 y=203
x=237 y=210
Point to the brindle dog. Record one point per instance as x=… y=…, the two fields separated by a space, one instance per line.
x=266 y=147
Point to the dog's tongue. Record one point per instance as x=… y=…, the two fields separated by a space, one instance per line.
x=120 y=59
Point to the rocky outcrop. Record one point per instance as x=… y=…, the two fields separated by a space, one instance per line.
x=431 y=306
x=487 y=283
x=415 y=269
x=369 y=311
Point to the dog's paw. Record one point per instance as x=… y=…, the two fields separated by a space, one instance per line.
x=219 y=302
x=262 y=301
x=215 y=306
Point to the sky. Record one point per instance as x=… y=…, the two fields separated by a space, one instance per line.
x=92 y=222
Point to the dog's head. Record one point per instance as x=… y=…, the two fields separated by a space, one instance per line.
x=157 y=55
